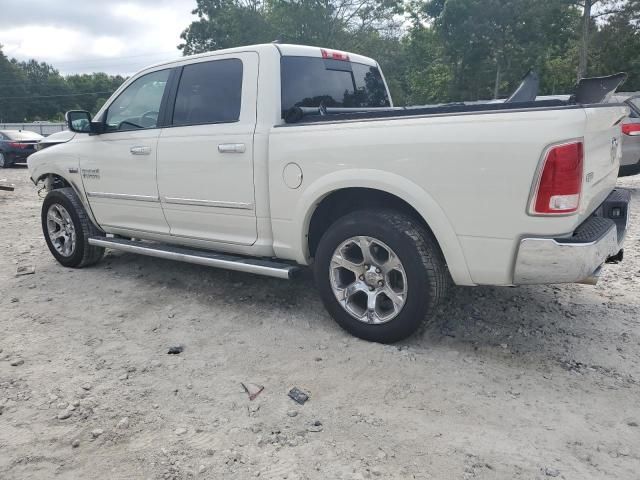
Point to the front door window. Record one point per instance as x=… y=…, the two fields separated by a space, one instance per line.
x=138 y=106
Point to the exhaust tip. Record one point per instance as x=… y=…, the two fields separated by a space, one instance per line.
x=593 y=278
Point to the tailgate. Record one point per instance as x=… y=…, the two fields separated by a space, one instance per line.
x=602 y=153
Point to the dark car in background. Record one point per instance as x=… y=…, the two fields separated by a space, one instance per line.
x=16 y=146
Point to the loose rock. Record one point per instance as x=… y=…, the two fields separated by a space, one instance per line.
x=16 y=362
x=551 y=472
x=75 y=443
x=175 y=349
x=180 y=431
x=97 y=432
x=124 y=423
x=298 y=395
x=252 y=389
x=25 y=270
x=315 y=426
x=64 y=415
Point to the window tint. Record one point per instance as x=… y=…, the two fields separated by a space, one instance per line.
x=310 y=82
x=209 y=92
x=138 y=105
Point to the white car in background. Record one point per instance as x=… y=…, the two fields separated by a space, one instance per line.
x=55 y=139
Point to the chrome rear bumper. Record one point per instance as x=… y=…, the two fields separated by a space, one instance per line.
x=579 y=257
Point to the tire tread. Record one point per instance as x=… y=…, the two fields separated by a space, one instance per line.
x=90 y=253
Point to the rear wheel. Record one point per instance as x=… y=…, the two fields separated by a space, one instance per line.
x=380 y=273
x=67 y=228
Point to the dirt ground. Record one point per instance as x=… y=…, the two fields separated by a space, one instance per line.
x=524 y=383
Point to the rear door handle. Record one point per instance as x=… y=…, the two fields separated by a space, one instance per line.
x=232 y=148
x=140 y=150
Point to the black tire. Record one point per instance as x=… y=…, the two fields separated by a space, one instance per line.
x=425 y=268
x=84 y=254
x=4 y=160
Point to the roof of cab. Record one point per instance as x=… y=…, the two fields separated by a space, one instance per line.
x=285 y=49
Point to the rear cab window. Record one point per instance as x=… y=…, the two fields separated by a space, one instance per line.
x=316 y=81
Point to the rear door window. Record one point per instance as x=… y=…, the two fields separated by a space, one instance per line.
x=312 y=82
x=209 y=92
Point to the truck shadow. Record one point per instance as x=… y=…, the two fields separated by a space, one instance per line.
x=513 y=320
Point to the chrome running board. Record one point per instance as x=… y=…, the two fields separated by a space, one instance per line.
x=258 y=266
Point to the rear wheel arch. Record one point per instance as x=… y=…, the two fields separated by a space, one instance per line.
x=387 y=189
x=339 y=203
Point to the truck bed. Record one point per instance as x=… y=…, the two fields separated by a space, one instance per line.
x=301 y=117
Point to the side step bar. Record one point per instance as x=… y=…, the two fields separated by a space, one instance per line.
x=200 y=257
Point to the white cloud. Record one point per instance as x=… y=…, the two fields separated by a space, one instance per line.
x=79 y=36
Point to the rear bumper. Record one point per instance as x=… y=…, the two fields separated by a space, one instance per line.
x=579 y=257
x=628 y=170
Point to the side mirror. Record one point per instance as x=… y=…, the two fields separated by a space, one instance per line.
x=79 y=121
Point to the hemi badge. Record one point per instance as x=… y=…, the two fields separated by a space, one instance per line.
x=589 y=177
x=72 y=170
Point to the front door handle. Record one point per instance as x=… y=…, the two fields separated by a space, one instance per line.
x=140 y=150
x=232 y=148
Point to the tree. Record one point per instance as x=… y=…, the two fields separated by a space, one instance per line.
x=12 y=88
x=490 y=44
x=616 y=45
x=34 y=90
x=230 y=23
x=592 y=10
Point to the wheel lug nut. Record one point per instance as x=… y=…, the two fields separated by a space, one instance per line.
x=371 y=289
x=378 y=270
x=361 y=277
x=381 y=283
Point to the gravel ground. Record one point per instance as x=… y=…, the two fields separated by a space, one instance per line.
x=532 y=382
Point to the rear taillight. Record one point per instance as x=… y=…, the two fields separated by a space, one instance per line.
x=18 y=145
x=631 y=129
x=333 y=55
x=560 y=182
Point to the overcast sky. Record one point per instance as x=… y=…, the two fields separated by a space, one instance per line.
x=81 y=36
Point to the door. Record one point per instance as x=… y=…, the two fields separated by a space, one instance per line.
x=119 y=166
x=205 y=155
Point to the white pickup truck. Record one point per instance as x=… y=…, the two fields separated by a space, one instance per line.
x=271 y=157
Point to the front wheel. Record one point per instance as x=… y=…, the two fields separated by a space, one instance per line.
x=67 y=228
x=380 y=273
x=4 y=161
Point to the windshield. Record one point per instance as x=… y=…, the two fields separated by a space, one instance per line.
x=312 y=82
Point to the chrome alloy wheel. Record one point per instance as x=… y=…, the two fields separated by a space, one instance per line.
x=61 y=230
x=368 y=280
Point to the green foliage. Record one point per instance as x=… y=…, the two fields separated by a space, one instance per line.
x=32 y=91
x=431 y=51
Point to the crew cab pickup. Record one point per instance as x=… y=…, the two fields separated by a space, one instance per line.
x=272 y=157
